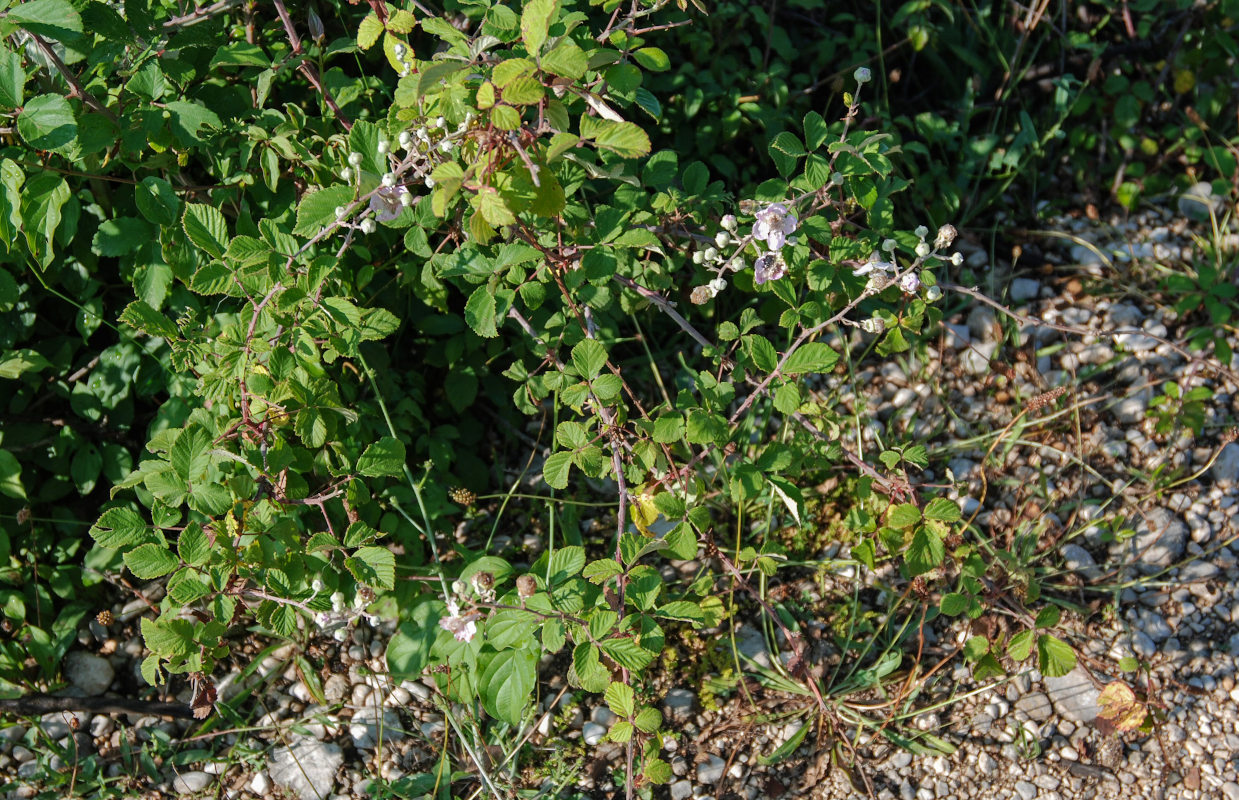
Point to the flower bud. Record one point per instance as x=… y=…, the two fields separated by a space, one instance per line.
x=957 y=258
x=340 y=635
x=722 y=238
x=873 y=325
x=315 y=23
x=458 y=586
x=316 y=585
x=698 y=257
x=909 y=282
x=710 y=254
x=862 y=75
x=339 y=212
x=717 y=285
x=923 y=249
x=337 y=601
x=369 y=226
x=889 y=245
x=836 y=178
x=729 y=222
x=346 y=174
x=383 y=146
x=405 y=139
x=389 y=180
x=430 y=182
x=440 y=122
x=921 y=231
x=406 y=199
x=354 y=159
x=933 y=294
x=445 y=146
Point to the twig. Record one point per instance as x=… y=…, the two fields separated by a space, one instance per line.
x=200 y=14
x=38 y=704
x=78 y=90
x=307 y=68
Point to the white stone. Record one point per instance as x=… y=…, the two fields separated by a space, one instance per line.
x=91 y=673
x=711 y=770
x=1023 y=289
x=308 y=768
x=592 y=733
x=191 y=782
x=368 y=725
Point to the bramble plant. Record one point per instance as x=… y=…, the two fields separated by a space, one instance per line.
x=492 y=212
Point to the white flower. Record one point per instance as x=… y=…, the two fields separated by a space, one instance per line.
x=933 y=294
x=769 y=267
x=388 y=202
x=909 y=282
x=873 y=266
x=774 y=223
x=354 y=159
x=862 y=75
x=463 y=627
x=322 y=619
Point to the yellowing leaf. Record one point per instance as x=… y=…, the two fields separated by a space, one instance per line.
x=1117 y=705
x=643 y=512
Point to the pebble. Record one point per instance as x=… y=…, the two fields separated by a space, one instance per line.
x=1024 y=289
x=1074 y=696
x=710 y=771
x=91 y=673
x=592 y=733
x=1025 y=790
x=307 y=767
x=191 y=782
x=679 y=703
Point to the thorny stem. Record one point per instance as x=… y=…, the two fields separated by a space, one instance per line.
x=78 y=90
x=308 y=69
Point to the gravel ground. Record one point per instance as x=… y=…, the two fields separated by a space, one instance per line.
x=1175 y=579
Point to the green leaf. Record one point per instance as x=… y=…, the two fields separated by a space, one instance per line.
x=627 y=653
x=493 y=207
x=190 y=454
x=18 y=362
x=1048 y=617
x=954 y=604
x=787 y=144
x=903 y=516
x=369 y=31
x=12 y=79
x=120 y=236
x=535 y=22
x=168 y=637
x=42 y=201
x=1055 y=658
x=11 y=478
x=942 y=509
x=623 y=138
x=925 y=552
x=787 y=748
x=193 y=546
x=205 y=227
x=565 y=563
x=506 y=683
x=620 y=699
x=555 y=470
x=383 y=458
x=683 y=610
x=151 y=560
x=373 y=566
x=240 y=54
x=55 y=19
x=188 y=119
x=589 y=357
x=601 y=571
x=480 y=312
x=668 y=428
x=656 y=771
x=118 y=527
x=408 y=651
x=652 y=58
x=140 y=316
x=317 y=210
x=810 y=357
x=648 y=720
x=565 y=60
x=1020 y=646
x=47 y=123
x=157 y=201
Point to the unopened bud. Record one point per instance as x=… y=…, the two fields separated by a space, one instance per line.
x=862 y=75
x=933 y=294
x=354 y=159
x=729 y=222
x=923 y=249
x=315 y=24
x=722 y=238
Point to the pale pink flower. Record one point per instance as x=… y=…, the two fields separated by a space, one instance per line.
x=769 y=267
x=774 y=224
x=463 y=626
x=386 y=203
